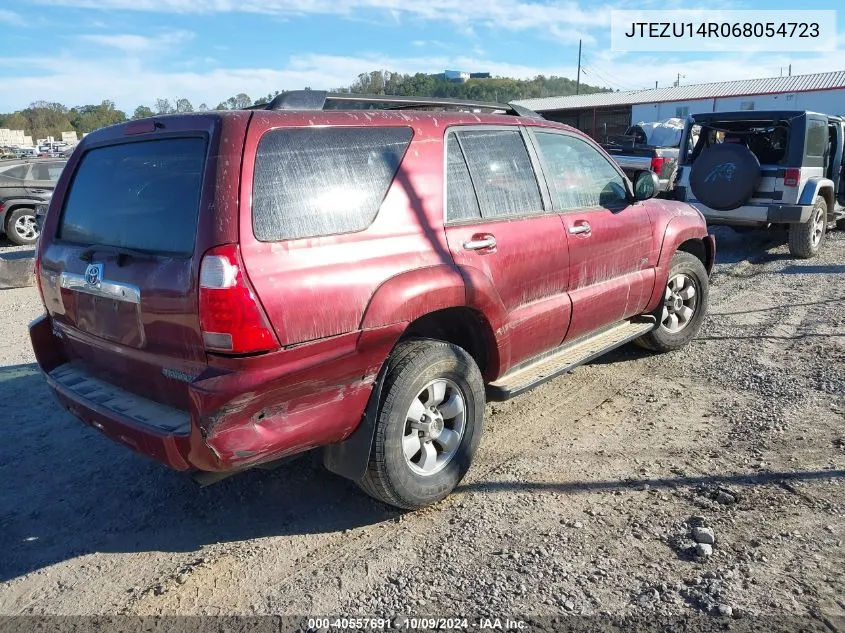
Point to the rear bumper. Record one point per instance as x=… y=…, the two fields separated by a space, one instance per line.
x=243 y=412
x=757 y=215
x=170 y=447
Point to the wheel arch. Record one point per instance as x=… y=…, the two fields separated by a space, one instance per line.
x=818 y=187
x=10 y=206
x=460 y=325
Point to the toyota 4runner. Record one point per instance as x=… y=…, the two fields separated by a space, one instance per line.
x=755 y=169
x=227 y=289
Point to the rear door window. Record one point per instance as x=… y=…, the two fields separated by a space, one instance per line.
x=311 y=182
x=461 y=201
x=143 y=195
x=502 y=173
x=816 y=137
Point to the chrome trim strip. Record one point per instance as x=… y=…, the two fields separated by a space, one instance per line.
x=107 y=289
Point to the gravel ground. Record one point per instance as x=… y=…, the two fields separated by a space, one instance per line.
x=706 y=482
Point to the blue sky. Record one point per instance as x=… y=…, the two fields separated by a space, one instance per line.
x=134 y=51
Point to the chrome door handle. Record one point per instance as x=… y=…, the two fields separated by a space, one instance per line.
x=579 y=229
x=477 y=245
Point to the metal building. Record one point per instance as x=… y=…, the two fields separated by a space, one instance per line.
x=608 y=113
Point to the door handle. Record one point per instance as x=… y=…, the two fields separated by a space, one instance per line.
x=581 y=228
x=480 y=243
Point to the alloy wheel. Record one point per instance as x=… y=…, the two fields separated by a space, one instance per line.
x=434 y=427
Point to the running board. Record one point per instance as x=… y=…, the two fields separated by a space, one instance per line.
x=566 y=358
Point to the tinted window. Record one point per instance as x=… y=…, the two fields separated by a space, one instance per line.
x=141 y=195
x=461 y=203
x=579 y=176
x=17 y=172
x=54 y=170
x=322 y=181
x=501 y=172
x=47 y=171
x=816 y=138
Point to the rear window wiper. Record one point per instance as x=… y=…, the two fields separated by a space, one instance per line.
x=122 y=253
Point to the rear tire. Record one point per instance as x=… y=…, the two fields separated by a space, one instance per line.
x=433 y=400
x=805 y=240
x=684 y=305
x=22 y=227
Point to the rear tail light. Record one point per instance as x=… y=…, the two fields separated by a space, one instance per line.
x=231 y=318
x=657 y=164
x=791 y=177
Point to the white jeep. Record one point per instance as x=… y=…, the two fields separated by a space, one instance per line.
x=756 y=169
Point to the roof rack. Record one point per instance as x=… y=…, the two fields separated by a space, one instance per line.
x=322 y=100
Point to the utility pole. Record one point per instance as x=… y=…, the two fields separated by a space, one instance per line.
x=578 y=80
x=790 y=70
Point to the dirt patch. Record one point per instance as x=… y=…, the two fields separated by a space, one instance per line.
x=585 y=499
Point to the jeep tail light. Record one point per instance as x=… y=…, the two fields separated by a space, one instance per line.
x=231 y=318
x=657 y=164
x=791 y=177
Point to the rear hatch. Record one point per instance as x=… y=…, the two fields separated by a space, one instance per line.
x=776 y=141
x=120 y=254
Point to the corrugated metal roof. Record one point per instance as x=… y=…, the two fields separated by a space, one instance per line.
x=744 y=87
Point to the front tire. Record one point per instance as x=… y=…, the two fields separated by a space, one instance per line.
x=22 y=227
x=684 y=305
x=428 y=425
x=806 y=239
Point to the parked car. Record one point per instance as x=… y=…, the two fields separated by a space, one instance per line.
x=651 y=146
x=362 y=281
x=758 y=169
x=23 y=184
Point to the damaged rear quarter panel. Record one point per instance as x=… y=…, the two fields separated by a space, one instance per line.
x=263 y=408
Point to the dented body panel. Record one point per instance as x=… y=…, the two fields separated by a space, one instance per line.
x=337 y=304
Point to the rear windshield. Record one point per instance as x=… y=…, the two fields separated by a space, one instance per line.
x=323 y=181
x=142 y=195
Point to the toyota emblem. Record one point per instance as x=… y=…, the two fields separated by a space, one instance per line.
x=94 y=274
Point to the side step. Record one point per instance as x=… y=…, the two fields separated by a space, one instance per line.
x=565 y=358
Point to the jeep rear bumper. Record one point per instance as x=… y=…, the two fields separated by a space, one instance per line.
x=757 y=215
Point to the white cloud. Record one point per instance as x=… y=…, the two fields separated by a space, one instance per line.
x=137 y=44
x=515 y=15
x=11 y=18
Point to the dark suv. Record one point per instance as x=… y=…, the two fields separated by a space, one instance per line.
x=23 y=185
x=228 y=289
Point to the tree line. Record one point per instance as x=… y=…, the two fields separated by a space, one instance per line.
x=43 y=118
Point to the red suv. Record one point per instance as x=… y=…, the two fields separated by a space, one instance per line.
x=227 y=289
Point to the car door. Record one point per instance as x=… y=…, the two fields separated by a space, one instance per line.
x=42 y=178
x=611 y=259
x=502 y=238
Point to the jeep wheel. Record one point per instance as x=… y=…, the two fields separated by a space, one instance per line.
x=429 y=424
x=684 y=305
x=21 y=227
x=806 y=239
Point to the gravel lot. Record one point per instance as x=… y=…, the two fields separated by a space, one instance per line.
x=588 y=495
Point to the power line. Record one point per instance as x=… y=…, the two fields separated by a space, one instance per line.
x=608 y=76
x=599 y=75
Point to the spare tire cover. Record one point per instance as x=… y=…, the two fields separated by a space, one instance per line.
x=725 y=176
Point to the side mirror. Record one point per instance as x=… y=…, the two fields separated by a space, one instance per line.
x=646 y=185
